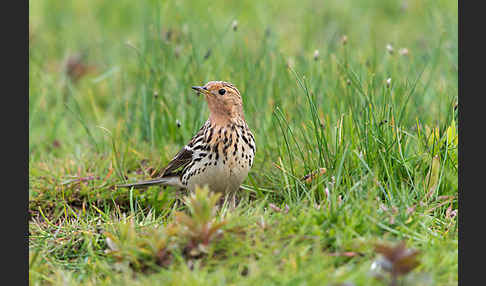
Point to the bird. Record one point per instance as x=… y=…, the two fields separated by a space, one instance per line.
x=221 y=153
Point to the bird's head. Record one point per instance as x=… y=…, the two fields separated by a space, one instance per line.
x=224 y=101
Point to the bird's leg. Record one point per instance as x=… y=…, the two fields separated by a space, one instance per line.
x=180 y=193
x=233 y=201
x=227 y=199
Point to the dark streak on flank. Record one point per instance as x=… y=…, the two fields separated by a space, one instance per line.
x=210 y=136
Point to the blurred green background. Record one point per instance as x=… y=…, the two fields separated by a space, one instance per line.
x=139 y=48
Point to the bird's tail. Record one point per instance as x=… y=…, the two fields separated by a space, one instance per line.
x=169 y=181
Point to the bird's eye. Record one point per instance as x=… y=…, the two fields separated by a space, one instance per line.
x=222 y=91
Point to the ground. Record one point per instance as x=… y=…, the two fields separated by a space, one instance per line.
x=353 y=108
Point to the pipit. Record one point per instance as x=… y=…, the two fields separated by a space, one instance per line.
x=221 y=154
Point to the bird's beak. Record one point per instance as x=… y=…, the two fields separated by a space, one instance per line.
x=200 y=90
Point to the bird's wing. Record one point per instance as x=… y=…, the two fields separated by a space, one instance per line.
x=180 y=160
x=186 y=155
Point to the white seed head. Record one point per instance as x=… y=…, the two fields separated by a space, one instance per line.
x=388 y=82
x=344 y=39
x=234 y=25
x=403 y=52
x=290 y=62
x=111 y=244
x=185 y=29
x=389 y=48
x=404 y=6
x=316 y=55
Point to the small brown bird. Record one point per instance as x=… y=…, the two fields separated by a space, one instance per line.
x=220 y=154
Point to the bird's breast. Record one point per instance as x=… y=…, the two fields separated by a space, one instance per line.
x=225 y=164
x=220 y=176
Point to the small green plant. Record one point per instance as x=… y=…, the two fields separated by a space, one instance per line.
x=141 y=248
x=202 y=226
x=148 y=247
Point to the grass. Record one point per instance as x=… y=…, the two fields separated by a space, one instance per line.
x=376 y=126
